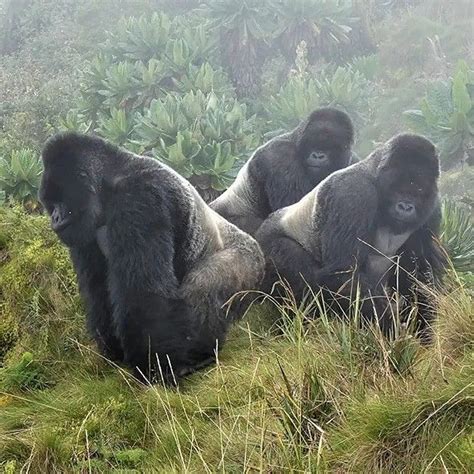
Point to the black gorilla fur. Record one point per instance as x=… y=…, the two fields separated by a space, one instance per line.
x=354 y=223
x=286 y=168
x=155 y=264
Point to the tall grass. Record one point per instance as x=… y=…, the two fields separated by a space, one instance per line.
x=290 y=393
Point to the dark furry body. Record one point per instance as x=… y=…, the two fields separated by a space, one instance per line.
x=155 y=281
x=278 y=174
x=330 y=238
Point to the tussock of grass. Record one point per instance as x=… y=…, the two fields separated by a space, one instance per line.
x=301 y=396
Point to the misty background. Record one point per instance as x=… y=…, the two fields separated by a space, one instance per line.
x=200 y=85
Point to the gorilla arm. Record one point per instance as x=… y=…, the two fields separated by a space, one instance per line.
x=151 y=319
x=423 y=260
x=91 y=268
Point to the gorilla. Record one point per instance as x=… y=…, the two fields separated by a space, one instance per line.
x=154 y=263
x=286 y=168
x=374 y=223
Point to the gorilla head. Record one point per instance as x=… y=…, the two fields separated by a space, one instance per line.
x=407 y=181
x=324 y=142
x=287 y=167
x=71 y=187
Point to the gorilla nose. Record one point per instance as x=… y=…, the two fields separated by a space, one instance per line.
x=405 y=208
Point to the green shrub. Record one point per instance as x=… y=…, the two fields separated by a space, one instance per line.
x=458 y=236
x=446 y=115
x=20 y=176
x=27 y=374
x=243 y=28
x=153 y=89
x=343 y=88
x=201 y=136
x=323 y=24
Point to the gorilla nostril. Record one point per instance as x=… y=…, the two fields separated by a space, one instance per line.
x=405 y=207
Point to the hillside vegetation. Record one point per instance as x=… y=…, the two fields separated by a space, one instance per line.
x=304 y=397
x=199 y=85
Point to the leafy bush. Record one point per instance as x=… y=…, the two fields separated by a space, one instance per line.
x=20 y=176
x=295 y=100
x=368 y=66
x=458 y=236
x=199 y=135
x=347 y=89
x=152 y=89
x=322 y=24
x=243 y=29
x=446 y=115
x=144 y=58
x=343 y=88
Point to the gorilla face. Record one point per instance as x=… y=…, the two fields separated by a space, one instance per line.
x=325 y=144
x=409 y=196
x=72 y=202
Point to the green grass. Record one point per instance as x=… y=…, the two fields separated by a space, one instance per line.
x=305 y=397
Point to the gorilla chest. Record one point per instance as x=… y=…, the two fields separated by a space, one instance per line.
x=385 y=246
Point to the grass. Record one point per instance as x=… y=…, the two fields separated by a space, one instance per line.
x=319 y=396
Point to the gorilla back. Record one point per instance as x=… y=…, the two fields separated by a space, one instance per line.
x=155 y=264
x=286 y=168
x=377 y=221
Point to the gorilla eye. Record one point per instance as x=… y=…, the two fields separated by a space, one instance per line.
x=418 y=189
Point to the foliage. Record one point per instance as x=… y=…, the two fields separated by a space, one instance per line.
x=295 y=100
x=20 y=175
x=415 y=32
x=25 y=375
x=198 y=134
x=446 y=115
x=145 y=58
x=343 y=88
x=368 y=66
x=458 y=236
x=346 y=89
x=45 y=45
x=152 y=89
x=321 y=24
x=458 y=185
x=243 y=28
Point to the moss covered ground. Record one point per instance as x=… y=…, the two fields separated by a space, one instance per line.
x=322 y=396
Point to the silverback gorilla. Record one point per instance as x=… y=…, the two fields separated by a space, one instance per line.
x=360 y=222
x=154 y=263
x=286 y=168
